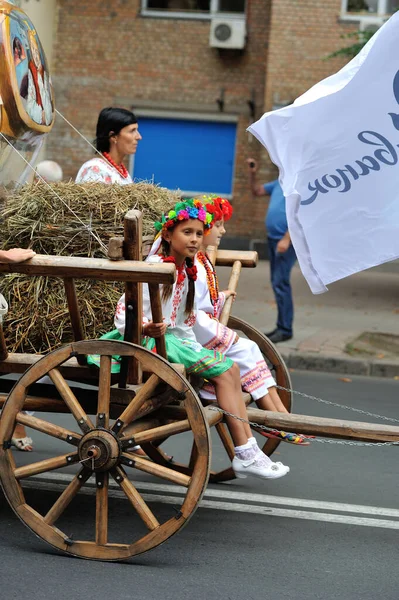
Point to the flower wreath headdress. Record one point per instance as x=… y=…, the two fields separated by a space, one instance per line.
x=219 y=208
x=189 y=209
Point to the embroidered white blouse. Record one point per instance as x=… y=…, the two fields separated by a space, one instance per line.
x=173 y=309
x=209 y=332
x=98 y=170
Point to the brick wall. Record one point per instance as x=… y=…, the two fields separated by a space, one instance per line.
x=106 y=53
x=302 y=34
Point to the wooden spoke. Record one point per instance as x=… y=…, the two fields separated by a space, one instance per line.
x=50 y=464
x=226 y=439
x=70 y=400
x=132 y=409
x=104 y=391
x=136 y=499
x=67 y=495
x=49 y=428
x=102 y=480
x=228 y=473
x=143 y=464
x=158 y=433
x=158 y=456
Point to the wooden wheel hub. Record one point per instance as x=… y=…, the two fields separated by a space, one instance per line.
x=99 y=450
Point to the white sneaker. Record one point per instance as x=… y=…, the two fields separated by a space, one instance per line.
x=258 y=468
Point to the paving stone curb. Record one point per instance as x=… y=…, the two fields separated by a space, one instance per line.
x=333 y=363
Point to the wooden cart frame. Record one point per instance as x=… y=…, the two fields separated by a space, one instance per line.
x=148 y=402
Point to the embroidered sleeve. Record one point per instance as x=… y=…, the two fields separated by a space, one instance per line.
x=202 y=296
x=221 y=301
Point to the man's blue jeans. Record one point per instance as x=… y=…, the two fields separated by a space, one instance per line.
x=280 y=272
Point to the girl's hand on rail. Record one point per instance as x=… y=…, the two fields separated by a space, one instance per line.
x=228 y=293
x=154 y=330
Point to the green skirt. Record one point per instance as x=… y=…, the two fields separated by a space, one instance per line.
x=196 y=359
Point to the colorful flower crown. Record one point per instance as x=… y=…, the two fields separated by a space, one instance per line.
x=190 y=209
x=218 y=207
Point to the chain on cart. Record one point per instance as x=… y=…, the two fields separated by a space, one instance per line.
x=329 y=403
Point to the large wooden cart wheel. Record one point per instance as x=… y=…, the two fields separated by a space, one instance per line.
x=101 y=448
x=282 y=377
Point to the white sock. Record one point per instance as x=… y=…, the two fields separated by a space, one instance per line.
x=259 y=454
x=246 y=451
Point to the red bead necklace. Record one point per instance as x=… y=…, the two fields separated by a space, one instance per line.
x=211 y=279
x=180 y=269
x=191 y=271
x=120 y=168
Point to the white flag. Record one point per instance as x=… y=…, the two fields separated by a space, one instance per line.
x=337 y=149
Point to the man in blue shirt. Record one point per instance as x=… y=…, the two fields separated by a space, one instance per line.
x=281 y=253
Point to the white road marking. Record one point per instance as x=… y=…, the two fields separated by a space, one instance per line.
x=222 y=499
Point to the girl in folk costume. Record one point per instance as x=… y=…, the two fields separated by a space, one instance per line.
x=117 y=136
x=256 y=378
x=181 y=235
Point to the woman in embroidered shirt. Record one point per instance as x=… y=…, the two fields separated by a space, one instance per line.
x=182 y=231
x=117 y=136
x=256 y=378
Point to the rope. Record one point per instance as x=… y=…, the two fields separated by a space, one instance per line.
x=83 y=137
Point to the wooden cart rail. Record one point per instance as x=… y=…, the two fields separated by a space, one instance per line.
x=227 y=258
x=93 y=268
x=133 y=273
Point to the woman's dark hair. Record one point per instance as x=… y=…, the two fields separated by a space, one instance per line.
x=167 y=288
x=110 y=122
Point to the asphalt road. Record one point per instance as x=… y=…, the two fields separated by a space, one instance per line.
x=330 y=529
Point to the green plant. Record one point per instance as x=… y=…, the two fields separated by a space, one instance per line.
x=361 y=37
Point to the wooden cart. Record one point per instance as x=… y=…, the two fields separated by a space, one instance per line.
x=150 y=401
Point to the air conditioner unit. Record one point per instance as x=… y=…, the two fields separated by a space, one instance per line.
x=228 y=32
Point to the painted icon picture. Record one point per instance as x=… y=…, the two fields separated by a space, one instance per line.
x=31 y=70
x=26 y=93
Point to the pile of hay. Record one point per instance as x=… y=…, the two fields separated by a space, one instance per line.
x=59 y=221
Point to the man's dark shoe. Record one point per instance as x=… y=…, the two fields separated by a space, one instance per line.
x=271 y=332
x=279 y=336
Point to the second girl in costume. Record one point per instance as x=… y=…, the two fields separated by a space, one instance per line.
x=256 y=378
